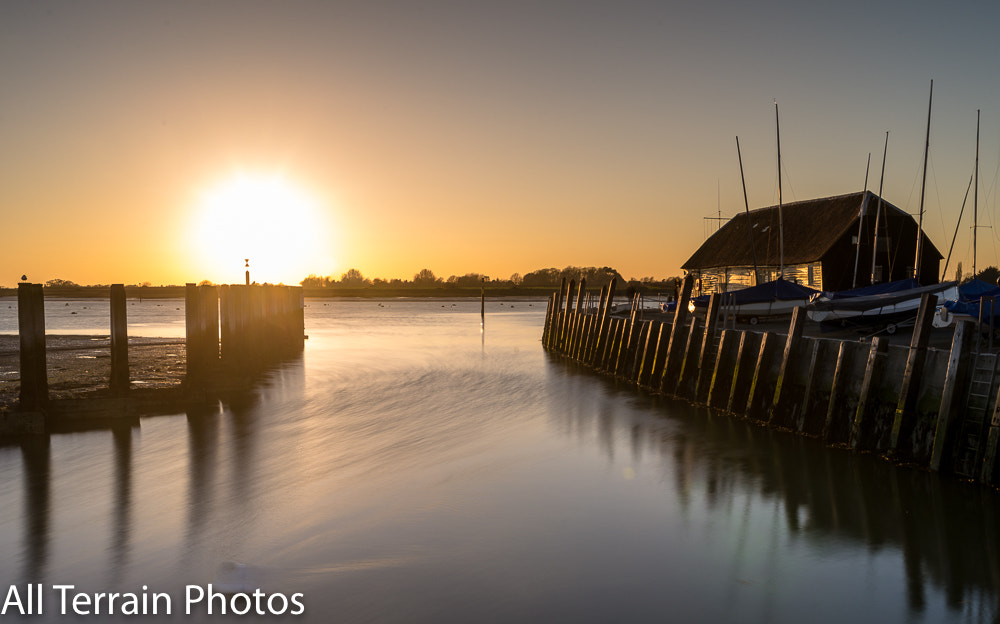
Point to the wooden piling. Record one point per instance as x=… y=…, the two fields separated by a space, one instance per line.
x=789 y=384
x=861 y=427
x=34 y=392
x=844 y=392
x=706 y=359
x=722 y=370
x=961 y=340
x=564 y=329
x=819 y=384
x=201 y=314
x=910 y=388
x=119 y=382
x=765 y=374
x=989 y=471
x=639 y=350
x=621 y=350
x=649 y=352
x=687 y=375
x=746 y=359
x=605 y=325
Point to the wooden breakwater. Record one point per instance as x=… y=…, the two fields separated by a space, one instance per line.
x=930 y=408
x=233 y=333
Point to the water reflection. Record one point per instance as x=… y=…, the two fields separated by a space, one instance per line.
x=946 y=530
x=400 y=472
x=203 y=444
x=35 y=453
x=121 y=525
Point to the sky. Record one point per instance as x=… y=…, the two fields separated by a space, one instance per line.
x=167 y=142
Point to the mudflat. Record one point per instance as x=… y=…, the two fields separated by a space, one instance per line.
x=80 y=366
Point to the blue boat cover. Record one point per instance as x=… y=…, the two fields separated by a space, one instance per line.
x=778 y=290
x=974 y=289
x=970 y=297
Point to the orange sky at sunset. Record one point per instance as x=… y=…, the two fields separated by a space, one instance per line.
x=465 y=137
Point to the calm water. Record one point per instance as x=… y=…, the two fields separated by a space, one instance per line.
x=411 y=468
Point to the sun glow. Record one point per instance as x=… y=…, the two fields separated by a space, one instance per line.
x=276 y=225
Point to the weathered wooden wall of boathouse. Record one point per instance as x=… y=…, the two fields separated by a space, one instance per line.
x=930 y=408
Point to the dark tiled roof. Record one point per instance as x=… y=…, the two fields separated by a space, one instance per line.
x=811 y=228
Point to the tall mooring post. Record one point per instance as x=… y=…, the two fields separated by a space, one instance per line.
x=119 y=383
x=910 y=388
x=201 y=311
x=31 y=327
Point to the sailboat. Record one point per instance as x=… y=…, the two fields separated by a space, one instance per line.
x=770 y=299
x=892 y=302
x=976 y=299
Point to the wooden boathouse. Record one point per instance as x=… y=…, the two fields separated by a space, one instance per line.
x=931 y=408
x=828 y=246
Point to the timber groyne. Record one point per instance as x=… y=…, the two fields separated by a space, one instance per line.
x=233 y=333
x=935 y=409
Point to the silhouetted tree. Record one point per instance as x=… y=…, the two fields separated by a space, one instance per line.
x=469 y=280
x=353 y=277
x=57 y=283
x=990 y=275
x=425 y=277
x=314 y=281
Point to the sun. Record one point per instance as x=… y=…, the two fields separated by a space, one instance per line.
x=264 y=218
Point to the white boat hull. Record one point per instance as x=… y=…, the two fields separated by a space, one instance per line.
x=863 y=309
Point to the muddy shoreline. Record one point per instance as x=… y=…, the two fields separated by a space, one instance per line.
x=79 y=366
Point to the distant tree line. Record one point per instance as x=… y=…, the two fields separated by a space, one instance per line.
x=597 y=277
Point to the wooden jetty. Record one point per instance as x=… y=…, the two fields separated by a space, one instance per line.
x=233 y=334
x=934 y=409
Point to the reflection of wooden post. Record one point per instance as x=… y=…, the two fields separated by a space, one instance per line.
x=31 y=327
x=119 y=341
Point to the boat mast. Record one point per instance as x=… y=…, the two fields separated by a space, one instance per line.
x=961 y=212
x=746 y=203
x=861 y=221
x=975 y=200
x=923 y=185
x=878 y=211
x=781 y=226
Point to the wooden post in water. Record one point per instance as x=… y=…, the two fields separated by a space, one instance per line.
x=678 y=339
x=119 y=383
x=687 y=372
x=706 y=361
x=564 y=331
x=788 y=368
x=950 y=395
x=910 y=388
x=547 y=328
x=723 y=369
x=31 y=327
x=201 y=311
x=988 y=472
x=604 y=329
x=861 y=425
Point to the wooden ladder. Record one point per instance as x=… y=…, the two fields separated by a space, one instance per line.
x=969 y=444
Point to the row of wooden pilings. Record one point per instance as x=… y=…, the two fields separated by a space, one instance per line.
x=930 y=408
x=237 y=330
x=242 y=328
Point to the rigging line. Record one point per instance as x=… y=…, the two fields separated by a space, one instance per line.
x=937 y=193
x=944 y=273
x=788 y=180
